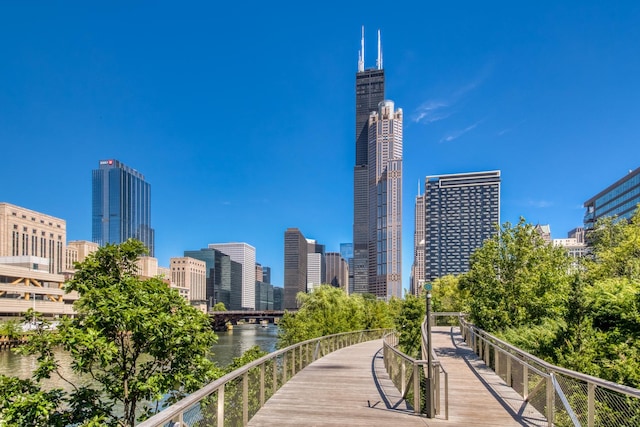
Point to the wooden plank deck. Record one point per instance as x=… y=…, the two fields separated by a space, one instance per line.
x=351 y=387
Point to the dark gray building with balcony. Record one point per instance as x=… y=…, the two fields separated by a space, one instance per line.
x=461 y=212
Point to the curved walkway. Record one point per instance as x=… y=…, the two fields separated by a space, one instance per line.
x=351 y=387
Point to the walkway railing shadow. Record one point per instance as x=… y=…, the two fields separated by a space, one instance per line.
x=233 y=399
x=565 y=397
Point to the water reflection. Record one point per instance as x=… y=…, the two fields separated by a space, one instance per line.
x=230 y=344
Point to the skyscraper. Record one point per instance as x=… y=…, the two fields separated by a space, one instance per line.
x=620 y=199
x=461 y=212
x=121 y=205
x=295 y=266
x=369 y=93
x=417 y=269
x=245 y=255
x=385 y=201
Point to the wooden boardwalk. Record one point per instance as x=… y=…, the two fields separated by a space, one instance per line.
x=351 y=387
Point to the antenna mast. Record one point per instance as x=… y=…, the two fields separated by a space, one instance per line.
x=361 y=53
x=379 y=60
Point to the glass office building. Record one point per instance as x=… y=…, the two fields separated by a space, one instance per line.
x=121 y=205
x=620 y=199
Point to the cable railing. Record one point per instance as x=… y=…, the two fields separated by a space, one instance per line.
x=565 y=397
x=236 y=397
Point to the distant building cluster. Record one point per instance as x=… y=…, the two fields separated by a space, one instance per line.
x=36 y=259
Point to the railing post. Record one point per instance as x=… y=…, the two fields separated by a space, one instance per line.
x=221 y=406
x=416 y=388
x=403 y=372
x=245 y=398
x=275 y=376
x=487 y=352
x=284 y=368
x=508 y=380
x=293 y=362
x=262 y=369
x=496 y=360
x=525 y=381
x=591 y=406
x=550 y=401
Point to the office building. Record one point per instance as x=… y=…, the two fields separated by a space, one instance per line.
x=417 y=269
x=121 y=205
x=315 y=265
x=32 y=260
x=266 y=274
x=190 y=273
x=259 y=273
x=346 y=251
x=385 y=201
x=218 y=268
x=245 y=255
x=461 y=212
x=278 y=298
x=337 y=271
x=370 y=85
x=295 y=267
x=27 y=233
x=77 y=251
x=620 y=199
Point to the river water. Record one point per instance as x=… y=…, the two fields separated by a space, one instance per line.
x=230 y=344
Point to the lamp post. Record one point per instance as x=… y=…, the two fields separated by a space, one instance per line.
x=429 y=385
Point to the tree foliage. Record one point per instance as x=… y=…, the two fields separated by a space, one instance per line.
x=137 y=339
x=516 y=279
x=408 y=324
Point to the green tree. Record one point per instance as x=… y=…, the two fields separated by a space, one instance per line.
x=516 y=279
x=219 y=306
x=408 y=324
x=136 y=338
x=448 y=296
x=325 y=311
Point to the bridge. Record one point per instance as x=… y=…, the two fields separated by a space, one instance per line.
x=362 y=379
x=219 y=319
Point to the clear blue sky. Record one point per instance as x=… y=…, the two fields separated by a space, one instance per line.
x=241 y=114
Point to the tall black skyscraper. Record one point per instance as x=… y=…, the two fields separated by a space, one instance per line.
x=121 y=205
x=369 y=93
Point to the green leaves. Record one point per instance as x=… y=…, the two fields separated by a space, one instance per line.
x=138 y=339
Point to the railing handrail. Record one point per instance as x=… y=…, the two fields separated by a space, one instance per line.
x=173 y=410
x=620 y=388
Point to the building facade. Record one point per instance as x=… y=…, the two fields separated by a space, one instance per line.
x=461 y=212
x=417 y=269
x=295 y=267
x=385 y=201
x=121 y=205
x=32 y=263
x=370 y=91
x=190 y=273
x=620 y=199
x=28 y=233
x=77 y=251
x=245 y=255
x=346 y=251
x=337 y=271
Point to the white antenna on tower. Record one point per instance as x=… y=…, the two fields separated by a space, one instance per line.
x=418 y=186
x=379 y=60
x=361 y=53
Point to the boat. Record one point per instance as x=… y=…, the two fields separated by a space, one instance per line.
x=264 y=323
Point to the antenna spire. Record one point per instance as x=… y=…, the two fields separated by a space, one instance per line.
x=379 y=60
x=361 y=53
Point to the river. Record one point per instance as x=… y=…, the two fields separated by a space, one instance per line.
x=230 y=344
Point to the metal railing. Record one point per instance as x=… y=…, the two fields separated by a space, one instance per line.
x=410 y=375
x=236 y=397
x=565 y=397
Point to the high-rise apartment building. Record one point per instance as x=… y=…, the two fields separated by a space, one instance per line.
x=121 y=205
x=620 y=199
x=385 y=201
x=245 y=255
x=369 y=93
x=295 y=267
x=461 y=212
x=417 y=269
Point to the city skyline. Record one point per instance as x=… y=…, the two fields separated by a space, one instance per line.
x=244 y=125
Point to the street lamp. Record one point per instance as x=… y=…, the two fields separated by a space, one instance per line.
x=429 y=384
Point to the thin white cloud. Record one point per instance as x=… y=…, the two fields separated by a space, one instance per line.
x=458 y=133
x=507 y=130
x=540 y=203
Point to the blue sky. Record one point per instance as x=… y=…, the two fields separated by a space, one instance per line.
x=241 y=116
